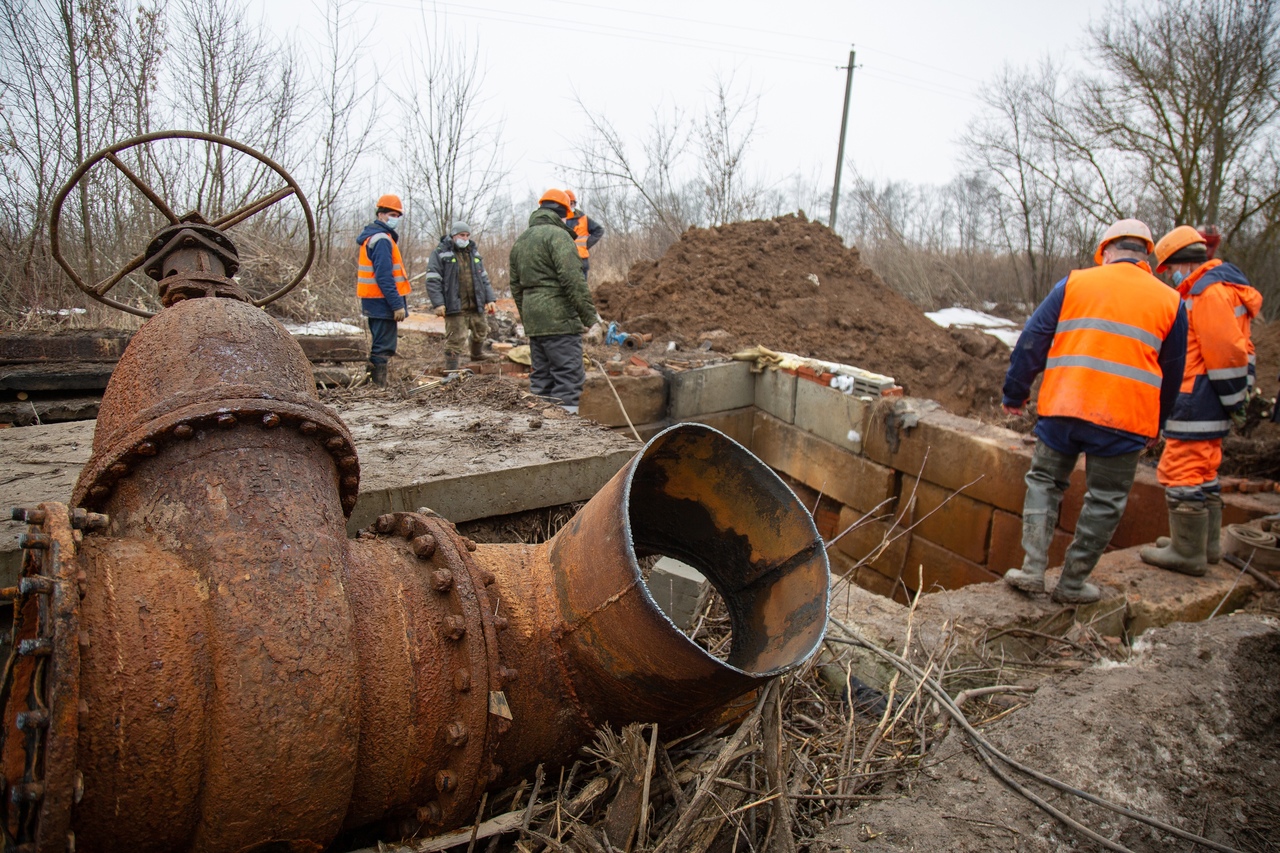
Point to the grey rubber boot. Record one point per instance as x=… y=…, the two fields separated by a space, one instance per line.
x=1037 y=534
x=451 y=360
x=1189 y=529
x=1072 y=587
x=1047 y=479
x=1213 y=537
x=378 y=374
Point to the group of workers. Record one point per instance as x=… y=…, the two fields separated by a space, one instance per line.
x=548 y=271
x=1125 y=358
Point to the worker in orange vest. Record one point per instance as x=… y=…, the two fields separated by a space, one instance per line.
x=382 y=283
x=1111 y=341
x=586 y=232
x=1221 y=305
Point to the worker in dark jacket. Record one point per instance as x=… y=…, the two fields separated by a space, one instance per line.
x=459 y=290
x=586 y=232
x=382 y=283
x=1111 y=341
x=555 y=305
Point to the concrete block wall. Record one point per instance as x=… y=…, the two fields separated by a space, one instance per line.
x=944 y=495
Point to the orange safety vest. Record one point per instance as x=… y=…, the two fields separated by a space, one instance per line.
x=1104 y=364
x=367 y=282
x=580 y=234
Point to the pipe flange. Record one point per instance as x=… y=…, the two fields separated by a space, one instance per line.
x=46 y=636
x=98 y=480
x=473 y=669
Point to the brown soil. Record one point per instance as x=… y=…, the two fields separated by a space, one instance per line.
x=1187 y=730
x=751 y=283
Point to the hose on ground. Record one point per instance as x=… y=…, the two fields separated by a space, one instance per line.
x=986 y=750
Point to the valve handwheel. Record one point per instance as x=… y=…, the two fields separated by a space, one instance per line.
x=99 y=289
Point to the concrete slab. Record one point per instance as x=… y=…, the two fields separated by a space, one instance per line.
x=40 y=463
x=463 y=462
x=716 y=388
x=827 y=413
x=848 y=478
x=644 y=398
x=738 y=424
x=776 y=394
x=677 y=588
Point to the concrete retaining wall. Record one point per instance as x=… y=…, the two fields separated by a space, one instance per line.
x=938 y=497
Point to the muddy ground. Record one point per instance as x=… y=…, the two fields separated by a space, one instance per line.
x=1186 y=729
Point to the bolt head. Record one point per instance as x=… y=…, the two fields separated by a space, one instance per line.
x=145 y=448
x=442 y=580
x=423 y=546
x=226 y=421
x=430 y=813
x=183 y=431
x=456 y=734
x=271 y=420
x=446 y=781
x=462 y=680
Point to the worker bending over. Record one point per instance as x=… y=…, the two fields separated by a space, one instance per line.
x=1111 y=341
x=1221 y=305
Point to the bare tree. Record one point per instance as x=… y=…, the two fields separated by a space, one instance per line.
x=346 y=114
x=452 y=158
x=1006 y=144
x=723 y=136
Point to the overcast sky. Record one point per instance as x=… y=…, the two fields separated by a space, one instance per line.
x=920 y=64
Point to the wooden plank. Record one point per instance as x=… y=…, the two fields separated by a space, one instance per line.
x=39 y=347
x=106 y=346
x=56 y=377
x=27 y=412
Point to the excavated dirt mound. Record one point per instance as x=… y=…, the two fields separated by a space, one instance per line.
x=790 y=284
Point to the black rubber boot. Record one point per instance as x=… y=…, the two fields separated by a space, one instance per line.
x=378 y=374
x=1189 y=533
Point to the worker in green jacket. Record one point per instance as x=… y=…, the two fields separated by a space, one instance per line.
x=555 y=305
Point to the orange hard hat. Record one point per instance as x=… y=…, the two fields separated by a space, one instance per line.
x=573 y=199
x=391 y=202
x=1120 y=229
x=560 y=197
x=1174 y=242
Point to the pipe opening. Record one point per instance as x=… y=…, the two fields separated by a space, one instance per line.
x=699 y=497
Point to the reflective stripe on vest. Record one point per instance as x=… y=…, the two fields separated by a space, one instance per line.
x=1104 y=363
x=367 y=282
x=580 y=231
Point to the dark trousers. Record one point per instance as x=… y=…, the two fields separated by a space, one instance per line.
x=557 y=373
x=384 y=339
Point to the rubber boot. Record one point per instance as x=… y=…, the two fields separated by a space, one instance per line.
x=1072 y=587
x=378 y=375
x=1037 y=534
x=477 y=351
x=451 y=360
x=1189 y=529
x=1213 y=537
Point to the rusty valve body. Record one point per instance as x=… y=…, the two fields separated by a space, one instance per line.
x=212 y=665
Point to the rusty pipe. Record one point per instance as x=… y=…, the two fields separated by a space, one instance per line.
x=246 y=676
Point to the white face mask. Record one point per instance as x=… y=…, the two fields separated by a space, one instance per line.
x=461 y=242
x=392 y=222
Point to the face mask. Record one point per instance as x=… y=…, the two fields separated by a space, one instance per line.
x=460 y=242
x=392 y=222
x=1178 y=276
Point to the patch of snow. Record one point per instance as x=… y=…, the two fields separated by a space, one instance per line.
x=323 y=328
x=60 y=312
x=1003 y=330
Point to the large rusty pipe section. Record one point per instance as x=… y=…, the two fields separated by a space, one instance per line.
x=207 y=663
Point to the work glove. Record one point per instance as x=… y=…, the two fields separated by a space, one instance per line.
x=401 y=314
x=439 y=310
x=491 y=308
x=1239 y=417
x=595 y=334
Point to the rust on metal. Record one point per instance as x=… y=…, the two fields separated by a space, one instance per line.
x=204 y=661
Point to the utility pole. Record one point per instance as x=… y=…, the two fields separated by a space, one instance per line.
x=844 y=126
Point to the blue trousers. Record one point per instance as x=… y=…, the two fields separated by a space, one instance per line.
x=384 y=339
